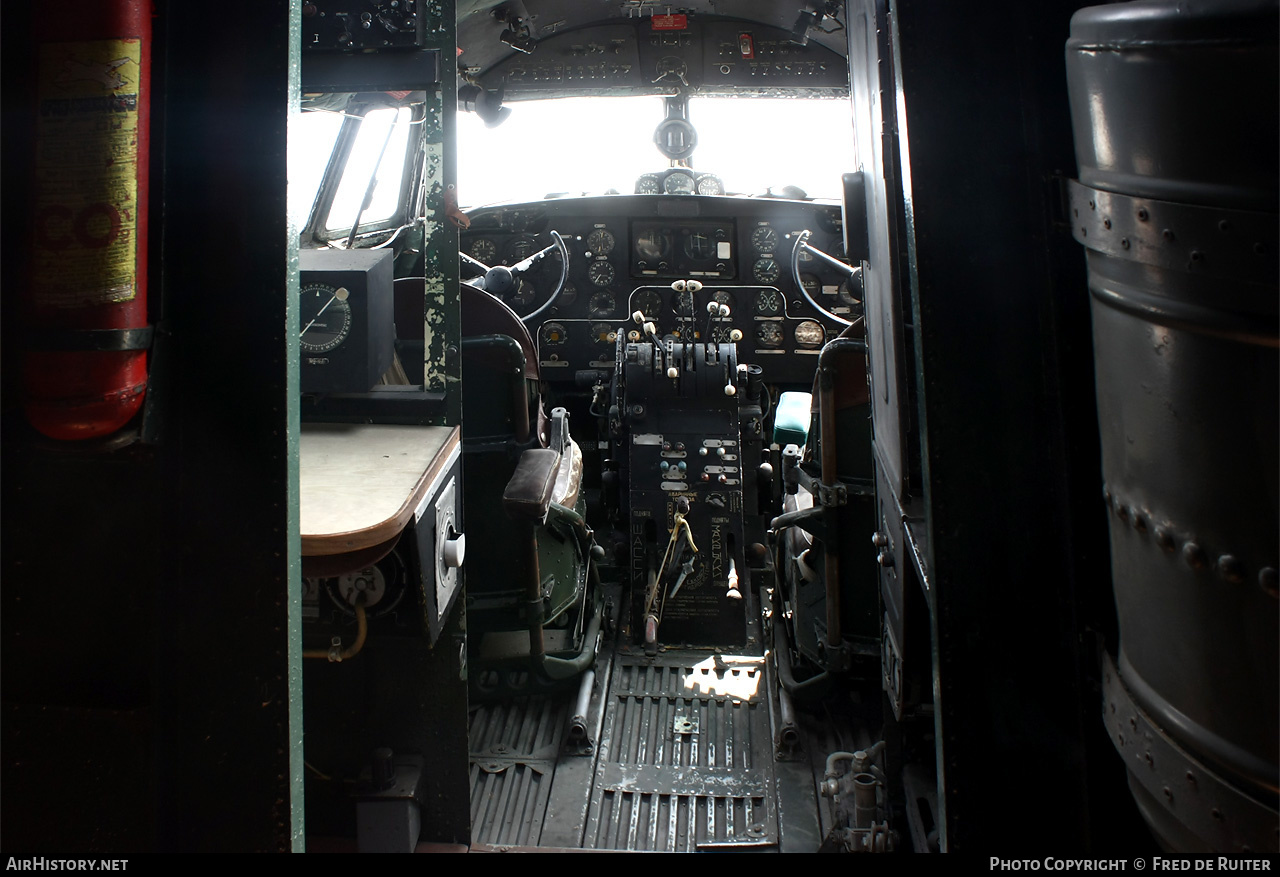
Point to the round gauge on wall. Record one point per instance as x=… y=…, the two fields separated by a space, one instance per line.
x=682 y=304
x=766 y=271
x=722 y=296
x=812 y=285
x=769 y=335
x=709 y=184
x=653 y=244
x=764 y=239
x=519 y=248
x=568 y=295
x=602 y=304
x=809 y=334
x=679 y=183
x=768 y=303
x=721 y=333
x=600 y=273
x=600 y=242
x=649 y=302
x=484 y=250
x=604 y=333
x=325 y=317
x=699 y=246
x=648 y=184
x=553 y=334
x=851 y=290
x=523 y=294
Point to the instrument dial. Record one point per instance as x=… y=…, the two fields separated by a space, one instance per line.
x=648 y=184
x=568 y=295
x=604 y=333
x=600 y=242
x=766 y=271
x=699 y=245
x=809 y=334
x=325 y=317
x=768 y=303
x=851 y=290
x=553 y=334
x=679 y=183
x=709 y=184
x=811 y=284
x=682 y=303
x=600 y=273
x=523 y=294
x=768 y=335
x=602 y=304
x=520 y=248
x=649 y=302
x=484 y=250
x=764 y=239
x=722 y=296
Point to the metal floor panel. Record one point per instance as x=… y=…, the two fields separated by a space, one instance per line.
x=683 y=761
x=514 y=746
x=686 y=758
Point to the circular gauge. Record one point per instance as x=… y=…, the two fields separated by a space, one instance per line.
x=484 y=250
x=648 y=184
x=602 y=304
x=766 y=271
x=811 y=284
x=851 y=289
x=722 y=297
x=764 y=239
x=600 y=242
x=678 y=183
x=519 y=248
x=568 y=295
x=600 y=273
x=768 y=303
x=769 y=335
x=720 y=333
x=523 y=294
x=709 y=184
x=368 y=582
x=809 y=334
x=604 y=333
x=682 y=304
x=653 y=244
x=325 y=317
x=647 y=301
x=553 y=334
x=805 y=254
x=699 y=245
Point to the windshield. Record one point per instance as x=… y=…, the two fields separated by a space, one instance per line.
x=590 y=145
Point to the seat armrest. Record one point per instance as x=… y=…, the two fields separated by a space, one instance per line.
x=528 y=493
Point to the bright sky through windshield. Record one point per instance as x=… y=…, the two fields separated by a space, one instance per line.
x=592 y=144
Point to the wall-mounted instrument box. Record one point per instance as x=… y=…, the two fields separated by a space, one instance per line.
x=346 y=319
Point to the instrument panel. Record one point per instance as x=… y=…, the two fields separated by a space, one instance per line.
x=630 y=254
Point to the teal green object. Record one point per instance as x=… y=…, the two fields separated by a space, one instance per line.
x=791 y=422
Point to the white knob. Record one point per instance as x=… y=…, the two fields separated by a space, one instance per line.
x=693 y=286
x=735 y=335
x=455 y=550
x=673 y=372
x=638 y=316
x=678 y=286
x=730 y=390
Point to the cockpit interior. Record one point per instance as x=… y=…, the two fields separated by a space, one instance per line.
x=808 y=426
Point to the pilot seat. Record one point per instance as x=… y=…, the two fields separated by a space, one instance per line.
x=534 y=607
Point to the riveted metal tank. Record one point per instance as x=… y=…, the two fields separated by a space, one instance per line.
x=1175 y=109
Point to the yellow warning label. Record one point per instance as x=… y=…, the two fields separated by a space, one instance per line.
x=86 y=186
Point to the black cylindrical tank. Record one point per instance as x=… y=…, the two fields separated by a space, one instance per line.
x=1176 y=111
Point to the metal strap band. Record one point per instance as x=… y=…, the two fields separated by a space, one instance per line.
x=91 y=339
x=1210 y=241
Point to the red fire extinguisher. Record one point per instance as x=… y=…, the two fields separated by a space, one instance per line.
x=85 y=365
